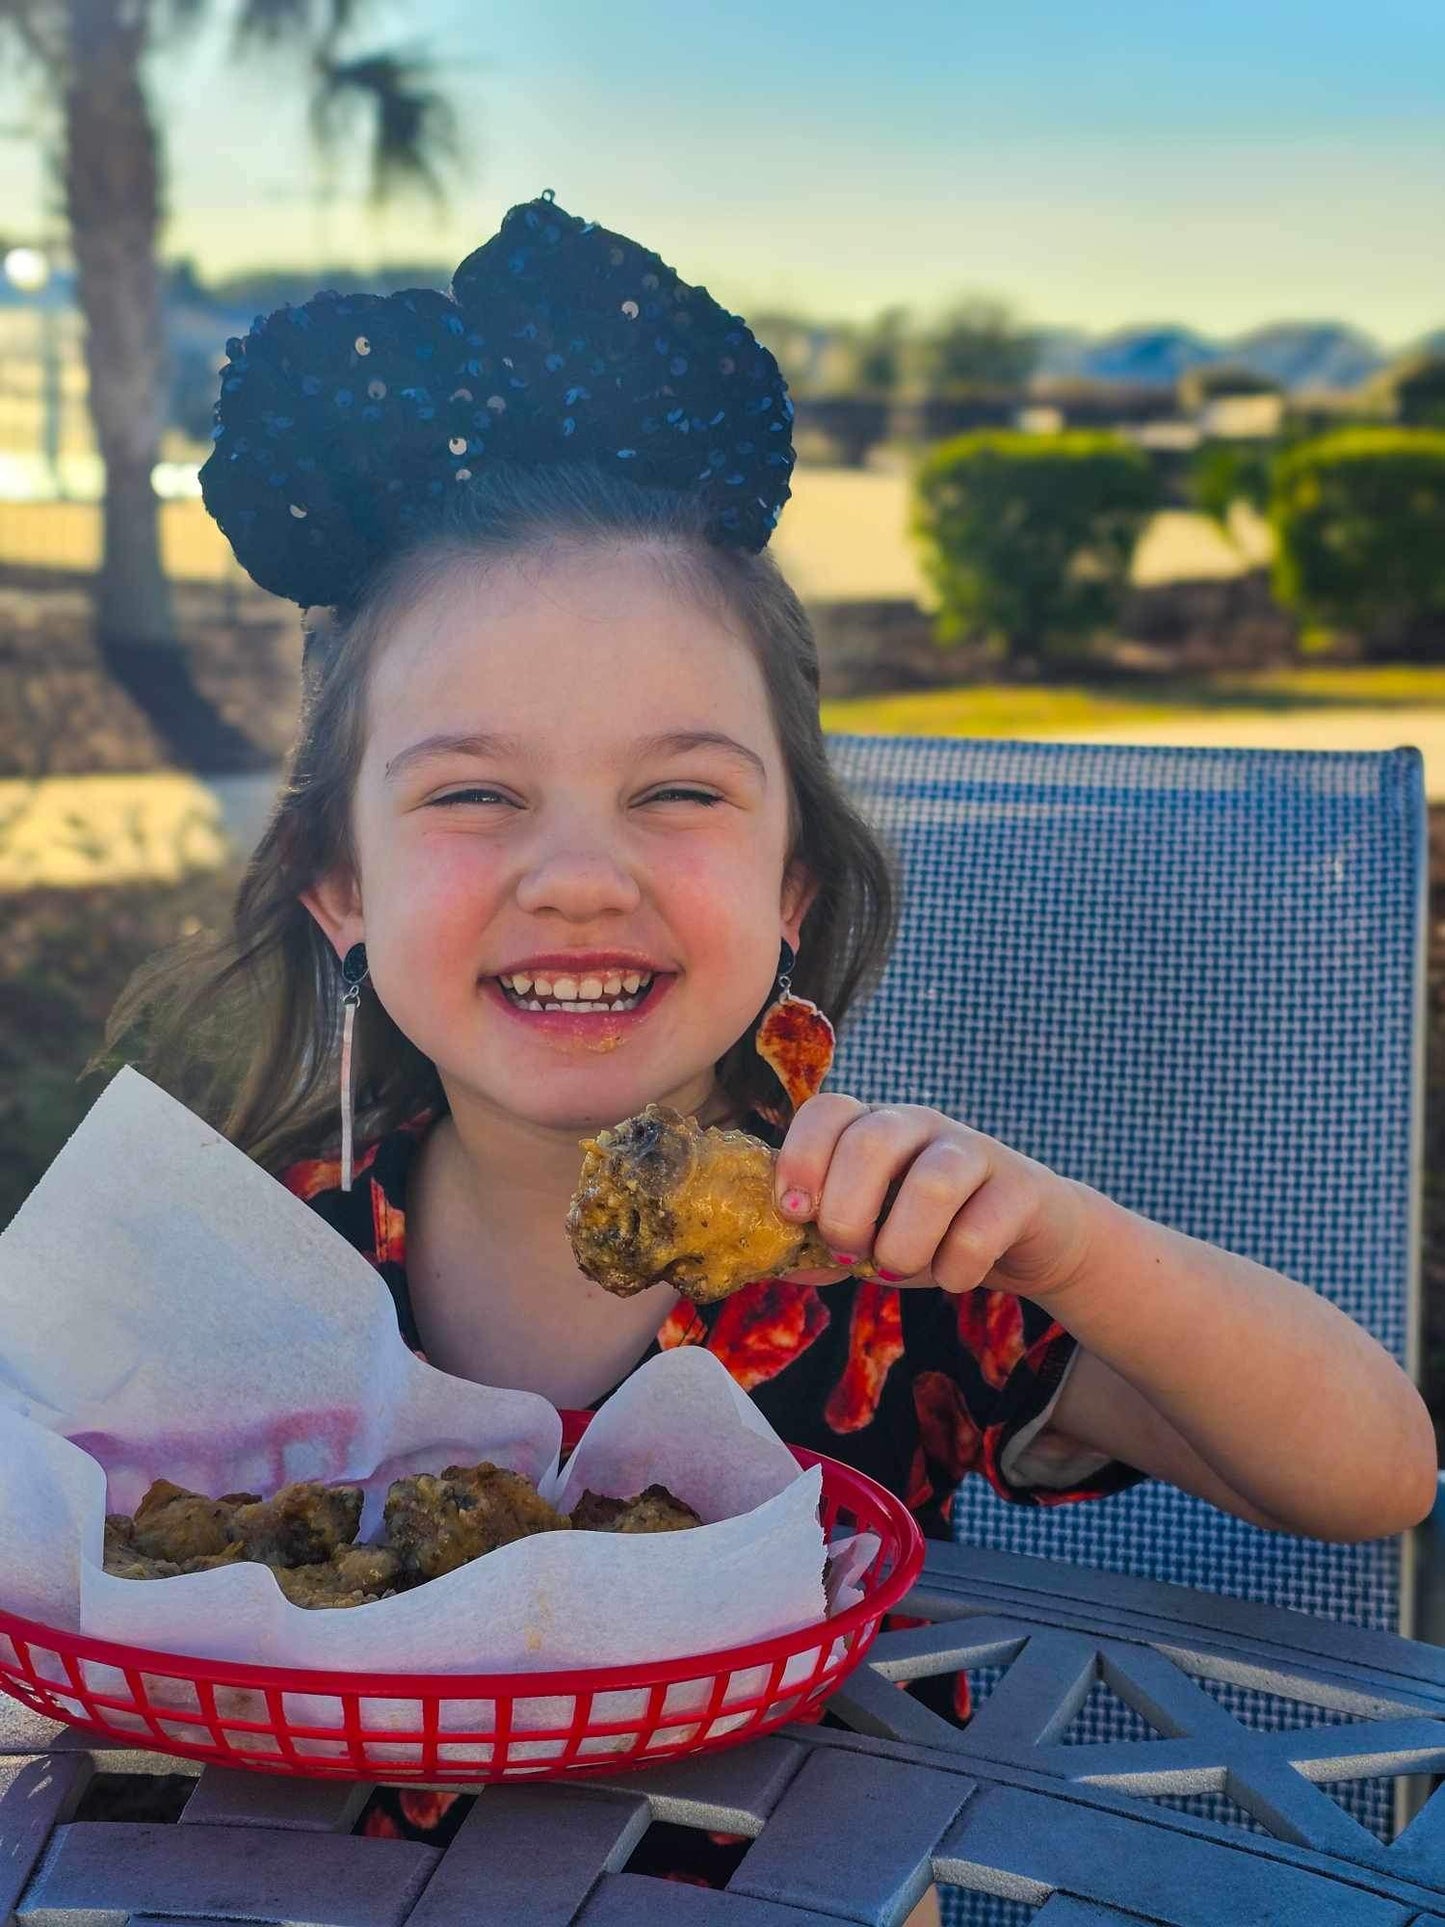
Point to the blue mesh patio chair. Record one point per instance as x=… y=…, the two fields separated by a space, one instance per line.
x=1194 y=979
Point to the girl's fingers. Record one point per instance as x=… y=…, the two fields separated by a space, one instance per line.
x=871 y=1160
x=806 y=1152
x=990 y=1224
x=937 y=1184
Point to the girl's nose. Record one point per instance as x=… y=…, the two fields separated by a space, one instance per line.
x=577 y=881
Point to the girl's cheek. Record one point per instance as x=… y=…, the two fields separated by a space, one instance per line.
x=434 y=906
x=438 y=864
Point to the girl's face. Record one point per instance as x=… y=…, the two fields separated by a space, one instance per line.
x=571 y=836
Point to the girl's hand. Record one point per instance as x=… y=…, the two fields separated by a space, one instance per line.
x=928 y=1201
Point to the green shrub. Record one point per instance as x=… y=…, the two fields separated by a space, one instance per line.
x=1419 y=391
x=1359 y=522
x=1225 y=472
x=1027 y=538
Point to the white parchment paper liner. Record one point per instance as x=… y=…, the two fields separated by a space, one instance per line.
x=169 y=1310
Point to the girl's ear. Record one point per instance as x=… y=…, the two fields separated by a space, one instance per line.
x=335 y=902
x=799 y=889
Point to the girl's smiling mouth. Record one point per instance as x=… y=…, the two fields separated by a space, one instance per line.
x=581 y=986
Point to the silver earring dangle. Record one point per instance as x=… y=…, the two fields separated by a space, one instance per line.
x=353 y=972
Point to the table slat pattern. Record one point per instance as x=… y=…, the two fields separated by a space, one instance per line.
x=1020 y=1808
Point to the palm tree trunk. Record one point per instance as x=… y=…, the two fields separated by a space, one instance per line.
x=112 y=190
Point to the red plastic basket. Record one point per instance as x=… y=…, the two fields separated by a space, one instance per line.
x=464 y=1729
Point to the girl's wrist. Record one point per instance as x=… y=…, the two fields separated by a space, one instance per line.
x=1082 y=1262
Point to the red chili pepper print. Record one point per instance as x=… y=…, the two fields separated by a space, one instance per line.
x=764 y=1327
x=991 y=1326
x=950 y=1437
x=875 y=1345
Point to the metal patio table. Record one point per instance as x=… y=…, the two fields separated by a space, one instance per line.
x=850 y=1823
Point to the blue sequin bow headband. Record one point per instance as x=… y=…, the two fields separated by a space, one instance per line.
x=343 y=424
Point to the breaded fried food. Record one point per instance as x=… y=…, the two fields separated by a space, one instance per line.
x=302 y=1526
x=438 y=1522
x=352 y=1576
x=433 y=1525
x=653 y=1510
x=660 y=1201
x=172 y=1523
x=121 y=1559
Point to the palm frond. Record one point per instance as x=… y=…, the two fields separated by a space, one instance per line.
x=39 y=30
x=324 y=24
x=275 y=23
x=415 y=137
x=341 y=17
x=177 y=20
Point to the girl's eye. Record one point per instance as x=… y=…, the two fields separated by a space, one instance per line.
x=673 y=793
x=476 y=795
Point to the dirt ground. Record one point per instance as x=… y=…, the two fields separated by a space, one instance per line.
x=62 y=714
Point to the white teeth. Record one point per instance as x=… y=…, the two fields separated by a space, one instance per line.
x=614 y=991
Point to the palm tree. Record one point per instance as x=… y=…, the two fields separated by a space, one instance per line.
x=89 y=57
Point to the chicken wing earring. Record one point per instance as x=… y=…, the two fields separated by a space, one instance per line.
x=795 y=1039
x=353 y=972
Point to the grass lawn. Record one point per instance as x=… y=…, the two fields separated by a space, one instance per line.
x=1030 y=710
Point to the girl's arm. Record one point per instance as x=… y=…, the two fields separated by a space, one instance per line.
x=1239 y=1385
x=1197 y=1366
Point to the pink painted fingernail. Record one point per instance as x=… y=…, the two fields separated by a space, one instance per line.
x=797 y=1204
x=892 y=1277
x=845 y=1257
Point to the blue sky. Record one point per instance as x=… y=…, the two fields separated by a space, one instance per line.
x=1222 y=164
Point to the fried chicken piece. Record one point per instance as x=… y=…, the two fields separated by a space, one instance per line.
x=350 y=1577
x=174 y=1524
x=121 y=1559
x=302 y=1526
x=438 y=1522
x=653 y=1510
x=660 y=1201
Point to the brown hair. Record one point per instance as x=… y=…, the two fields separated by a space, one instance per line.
x=247 y=1029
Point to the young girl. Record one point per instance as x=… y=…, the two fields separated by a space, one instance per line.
x=559 y=798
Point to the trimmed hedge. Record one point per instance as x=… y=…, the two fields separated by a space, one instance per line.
x=1224 y=472
x=1027 y=538
x=1359 y=518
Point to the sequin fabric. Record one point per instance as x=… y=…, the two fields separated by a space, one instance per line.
x=343 y=424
